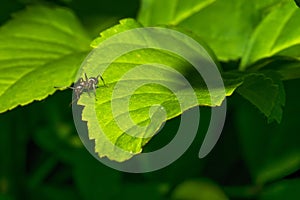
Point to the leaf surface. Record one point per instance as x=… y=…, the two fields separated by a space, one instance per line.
x=277 y=34
x=266 y=92
x=225 y=25
x=144 y=89
x=41 y=48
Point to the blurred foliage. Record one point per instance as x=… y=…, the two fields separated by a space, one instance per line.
x=42 y=157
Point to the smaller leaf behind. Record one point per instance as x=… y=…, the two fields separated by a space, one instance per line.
x=266 y=92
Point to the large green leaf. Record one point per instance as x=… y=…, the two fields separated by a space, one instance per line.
x=277 y=34
x=40 y=48
x=111 y=104
x=225 y=25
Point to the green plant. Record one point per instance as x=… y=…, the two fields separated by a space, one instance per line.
x=257 y=46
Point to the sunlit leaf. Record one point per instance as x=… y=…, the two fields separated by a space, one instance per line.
x=149 y=104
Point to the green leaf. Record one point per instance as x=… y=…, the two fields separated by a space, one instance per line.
x=225 y=25
x=287 y=189
x=290 y=70
x=287 y=67
x=145 y=100
x=174 y=12
x=271 y=151
x=198 y=190
x=277 y=34
x=297 y=2
x=266 y=92
x=41 y=48
x=125 y=25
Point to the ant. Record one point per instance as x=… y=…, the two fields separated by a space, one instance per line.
x=86 y=85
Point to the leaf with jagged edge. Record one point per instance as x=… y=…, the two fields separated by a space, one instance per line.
x=113 y=141
x=266 y=92
x=40 y=48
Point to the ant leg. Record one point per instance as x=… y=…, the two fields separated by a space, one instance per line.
x=73 y=101
x=99 y=76
x=94 y=90
x=77 y=93
x=88 y=93
x=57 y=87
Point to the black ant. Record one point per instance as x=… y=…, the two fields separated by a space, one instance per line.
x=86 y=85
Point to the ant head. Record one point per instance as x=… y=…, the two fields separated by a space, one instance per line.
x=94 y=80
